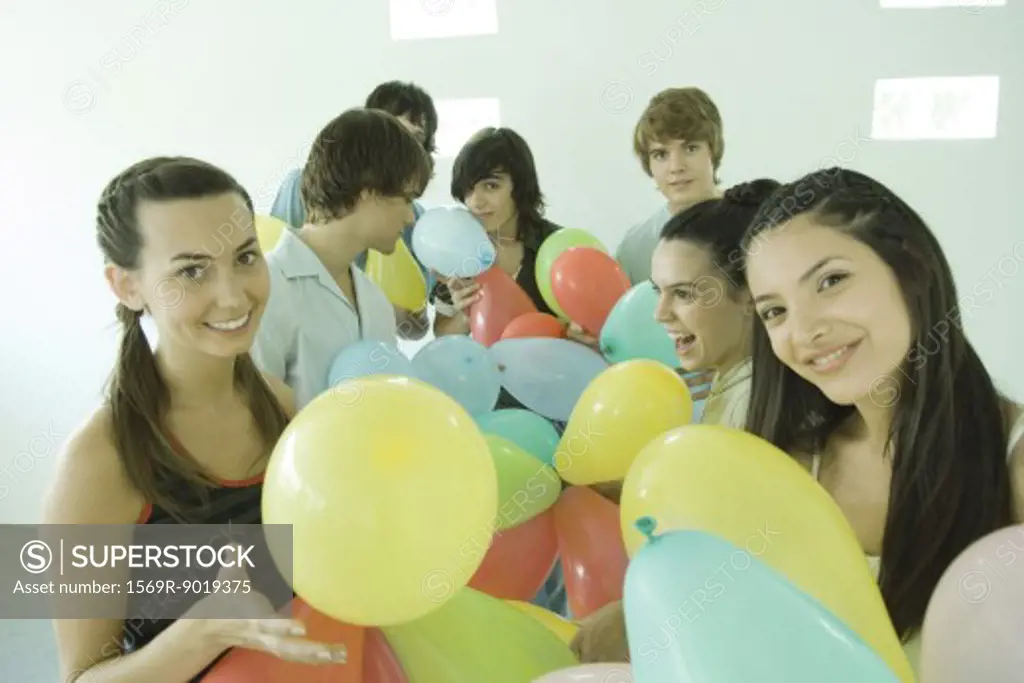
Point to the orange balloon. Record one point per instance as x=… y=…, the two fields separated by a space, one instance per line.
x=502 y=300
x=519 y=560
x=535 y=325
x=380 y=665
x=593 y=553
x=250 y=666
x=587 y=283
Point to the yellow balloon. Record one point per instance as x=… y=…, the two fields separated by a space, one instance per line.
x=399 y=276
x=563 y=628
x=526 y=486
x=741 y=488
x=391 y=491
x=476 y=637
x=269 y=231
x=620 y=411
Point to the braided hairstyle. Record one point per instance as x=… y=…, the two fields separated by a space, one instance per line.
x=718 y=225
x=136 y=393
x=951 y=482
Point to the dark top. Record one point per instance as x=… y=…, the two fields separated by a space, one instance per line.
x=235 y=502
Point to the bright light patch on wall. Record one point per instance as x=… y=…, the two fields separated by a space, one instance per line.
x=426 y=19
x=460 y=119
x=955 y=108
x=969 y=5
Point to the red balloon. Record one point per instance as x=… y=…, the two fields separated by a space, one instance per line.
x=593 y=553
x=519 y=560
x=535 y=325
x=380 y=665
x=250 y=666
x=502 y=300
x=587 y=283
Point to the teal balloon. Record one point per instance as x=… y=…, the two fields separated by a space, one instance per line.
x=529 y=431
x=460 y=367
x=631 y=332
x=701 y=610
x=365 y=358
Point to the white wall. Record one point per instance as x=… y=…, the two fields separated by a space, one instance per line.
x=248 y=84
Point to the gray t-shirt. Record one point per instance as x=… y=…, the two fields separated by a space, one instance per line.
x=637 y=247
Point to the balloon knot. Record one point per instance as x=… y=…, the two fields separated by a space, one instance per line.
x=646 y=526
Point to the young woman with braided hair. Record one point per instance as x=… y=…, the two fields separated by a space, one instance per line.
x=185 y=432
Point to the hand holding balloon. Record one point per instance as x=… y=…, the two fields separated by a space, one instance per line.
x=465 y=292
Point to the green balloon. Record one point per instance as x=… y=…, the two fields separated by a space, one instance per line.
x=526 y=486
x=553 y=247
x=631 y=332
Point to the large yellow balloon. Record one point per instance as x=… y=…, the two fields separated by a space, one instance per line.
x=391 y=491
x=268 y=231
x=620 y=411
x=474 y=638
x=561 y=627
x=399 y=276
x=741 y=488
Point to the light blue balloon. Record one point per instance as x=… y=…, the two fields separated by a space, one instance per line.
x=699 y=609
x=449 y=240
x=631 y=332
x=460 y=367
x=529 y=431
x=368 y=357
x=547 y=375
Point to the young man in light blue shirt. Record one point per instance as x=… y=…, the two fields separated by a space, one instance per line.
x=357 y=189
x=415 y=110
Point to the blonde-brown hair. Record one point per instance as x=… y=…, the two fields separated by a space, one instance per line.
x=679 y=114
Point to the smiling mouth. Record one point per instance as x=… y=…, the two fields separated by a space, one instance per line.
x=231 y=325
x=685 y=343
x=834 y=359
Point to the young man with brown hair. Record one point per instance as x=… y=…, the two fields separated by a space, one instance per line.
x=358 y=185
x=678 y=141
x=416 y=111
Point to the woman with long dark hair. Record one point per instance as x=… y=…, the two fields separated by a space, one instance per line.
x=863 y=371
x=185 y=431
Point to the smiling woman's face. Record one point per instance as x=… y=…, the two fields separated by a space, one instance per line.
x=201 y=274
x=833 y=309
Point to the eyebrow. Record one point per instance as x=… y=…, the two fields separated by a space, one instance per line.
x=197 y=256
x=805 y=277
x=683 y=283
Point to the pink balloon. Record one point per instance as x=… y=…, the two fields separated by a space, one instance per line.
x=974 y=625
x=590 y=673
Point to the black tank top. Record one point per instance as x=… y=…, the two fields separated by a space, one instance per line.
x=234 y=501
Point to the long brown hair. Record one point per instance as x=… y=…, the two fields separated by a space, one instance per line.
x=137 y=395
x=950 y=479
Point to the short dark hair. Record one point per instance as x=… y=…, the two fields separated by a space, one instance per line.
x=411 y=101
x=361 y=150
x=718 y=226
x=501 y=150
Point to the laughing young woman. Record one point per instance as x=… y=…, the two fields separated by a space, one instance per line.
x=863 y=372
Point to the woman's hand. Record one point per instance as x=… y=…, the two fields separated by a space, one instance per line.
x=602 y=636
x=465 y=293
x=261 y=628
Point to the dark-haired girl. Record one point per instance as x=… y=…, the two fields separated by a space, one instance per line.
x=705 y=307
x=186 y=430
x=494 y=175
x=863 y=371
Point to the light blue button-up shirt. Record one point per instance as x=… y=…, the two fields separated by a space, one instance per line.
x=309 y=320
